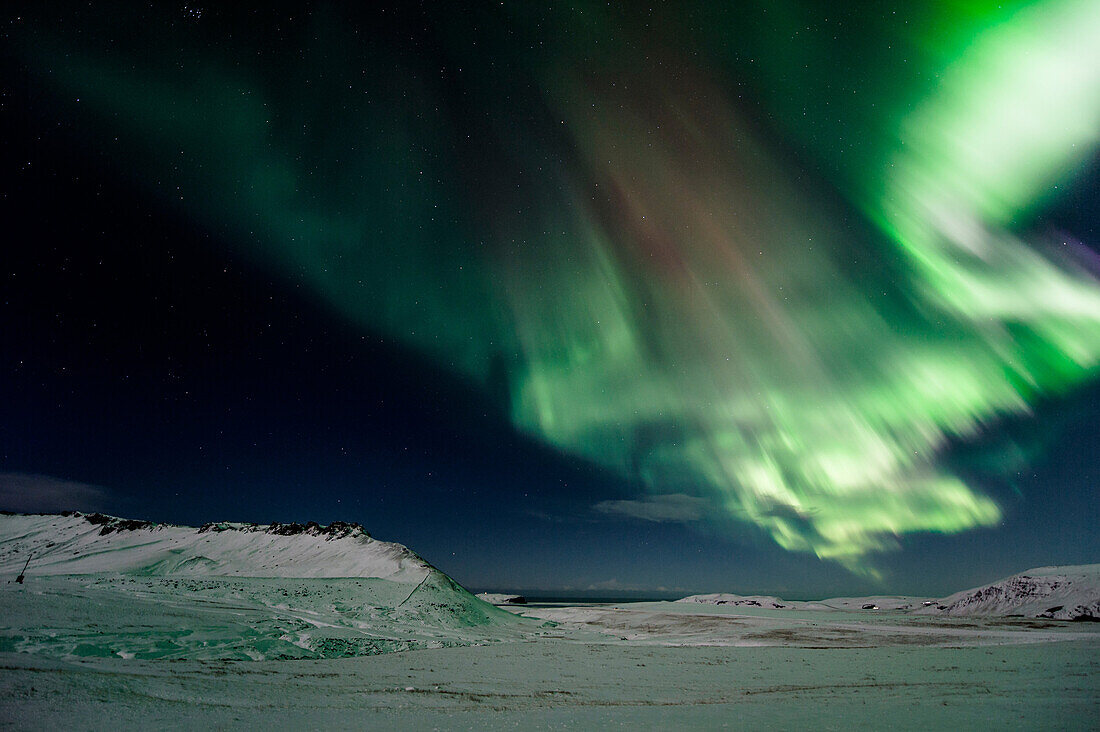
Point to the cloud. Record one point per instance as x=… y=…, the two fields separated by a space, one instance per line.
x=28 y=492
x=669 y=507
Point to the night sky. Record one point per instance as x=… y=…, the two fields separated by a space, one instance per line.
x=568 y=297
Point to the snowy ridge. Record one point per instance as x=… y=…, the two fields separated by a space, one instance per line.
x=1061 y=593
x=92 y=543
x=877 y=602
x=720 y=598
x=498 y=598
x=1057 y=593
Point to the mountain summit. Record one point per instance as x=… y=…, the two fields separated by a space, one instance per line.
x=77 y=543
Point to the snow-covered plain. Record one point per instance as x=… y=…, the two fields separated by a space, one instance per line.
x=121 y=629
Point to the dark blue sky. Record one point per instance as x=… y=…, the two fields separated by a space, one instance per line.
x=154 y=366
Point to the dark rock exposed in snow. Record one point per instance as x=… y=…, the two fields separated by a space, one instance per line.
x=335 y=530
x=111 y=524
x=1056 y=593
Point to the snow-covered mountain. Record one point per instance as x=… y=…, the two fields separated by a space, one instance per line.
x=1061 y=593
x=103 y=586
x=77 y=543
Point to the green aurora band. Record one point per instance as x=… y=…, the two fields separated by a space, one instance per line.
x=666 y=295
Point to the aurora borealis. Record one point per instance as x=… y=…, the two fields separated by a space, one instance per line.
x=775 y=257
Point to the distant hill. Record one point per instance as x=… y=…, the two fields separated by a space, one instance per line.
x=1060 y=593
x=1057 y=593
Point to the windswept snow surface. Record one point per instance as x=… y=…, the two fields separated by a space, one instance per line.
x=681 y=624
x=125 y=625
x=642 y=666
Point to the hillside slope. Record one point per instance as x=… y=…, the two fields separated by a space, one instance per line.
x=103 y=586
x=1061 y=593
